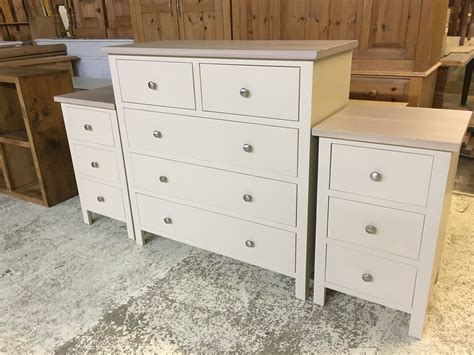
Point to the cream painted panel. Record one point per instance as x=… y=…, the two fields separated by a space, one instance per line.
x=103 y=199
x=98 y=163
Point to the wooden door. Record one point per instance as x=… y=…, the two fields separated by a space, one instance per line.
x=90 y=19
x=119 y=22
x=154 y=20
x=204 y=19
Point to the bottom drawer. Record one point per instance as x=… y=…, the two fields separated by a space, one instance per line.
x=102 y=199
x=384 y=279
x=256 y=244
x=379 y=88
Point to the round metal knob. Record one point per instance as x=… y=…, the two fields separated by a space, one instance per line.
x=375 y=176
x=244 y=92
x=167 y=220
x=157 y=134
x=249 y=244
x=152 y=85
x=100 y=199
x=163 y=179
x=371 y=229
x=367 y=277
x=95 y=164
x=88 y=127
x=247 y=148
x=247 y=198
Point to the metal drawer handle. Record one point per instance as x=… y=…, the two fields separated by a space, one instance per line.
x=88 y=127
x=367 y=277
x=152 y=85
x=370 y=229
x=163 y=179
x=167 y=220
x=247 y=198
x=249 y=244
x=244 y=92
x=375 y=176
x=157 y=134
x=100 y=199
x=247 y=148
x=95 y=164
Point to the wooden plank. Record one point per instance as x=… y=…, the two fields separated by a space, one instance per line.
x=22 y=51
x=17 y=137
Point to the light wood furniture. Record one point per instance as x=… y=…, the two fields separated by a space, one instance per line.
x=385 y=178
x=35 y=163
x=96 y=149
x=56 y=62
x=217 y=142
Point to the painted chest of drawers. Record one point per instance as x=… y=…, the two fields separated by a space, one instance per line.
x=96 y=150
x=384 y=189
x=217 y=143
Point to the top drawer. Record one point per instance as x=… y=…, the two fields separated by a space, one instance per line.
x=157 y=83
x=271 y=92
x=385 y=174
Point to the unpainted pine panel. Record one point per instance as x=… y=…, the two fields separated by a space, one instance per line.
x=345 y=19
x=256 y=20
x=317 y=19
x=293 y=19
x=154 y=20
x=119 y=23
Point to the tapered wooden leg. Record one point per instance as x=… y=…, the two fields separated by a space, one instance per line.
x=467 y=82
x=87 y=215
x=319 y=296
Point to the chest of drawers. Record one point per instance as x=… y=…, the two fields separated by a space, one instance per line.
x=384 y=182
x=96 y=150
x=217 y=143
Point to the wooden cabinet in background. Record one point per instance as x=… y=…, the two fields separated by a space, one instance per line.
x=119 y=21
x=155 y=20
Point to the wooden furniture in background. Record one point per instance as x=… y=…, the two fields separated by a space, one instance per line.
x=461 y=19
x=35 y=163
x=56 y=62
x=180 y=19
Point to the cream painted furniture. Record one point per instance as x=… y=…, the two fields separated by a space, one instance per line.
x=384 y=189
x=218 y=147
x=96 y=149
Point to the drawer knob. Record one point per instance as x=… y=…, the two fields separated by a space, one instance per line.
x=373 y=93
x=244 y=92
x=167 y=220
x=88 y=127
x=375 y=176
x=157 y=134
x=152 y=85
x=247 y=148
x=371 y=229
x=100 y=199
x=367 y=277
x=247 y=198
x=95 y=164
x=249 y=244
x=163 y=179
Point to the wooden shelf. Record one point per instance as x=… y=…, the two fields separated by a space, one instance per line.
x=30 y=192
x=18 y=137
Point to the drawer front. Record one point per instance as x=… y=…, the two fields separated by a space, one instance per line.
x=157 y=83
x=102 y=199
x=402 y=177
x=256 y=197
x=385 y=279
x=386 y=229
x=90 y=125
x=379 y=89
x=272 y=149
x=101 y=164
x=271 y=92
x=257 y=244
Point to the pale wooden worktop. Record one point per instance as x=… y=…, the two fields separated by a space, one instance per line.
x=403 y=126
x=271 y=50
x=101 y=98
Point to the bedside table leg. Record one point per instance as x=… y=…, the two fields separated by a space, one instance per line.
x=302 y=287
x=139 y=237
x=87 y=215
x=417 y=323
x=319 y=296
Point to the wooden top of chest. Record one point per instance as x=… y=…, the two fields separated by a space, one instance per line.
x=100 y=98
x=403 y=126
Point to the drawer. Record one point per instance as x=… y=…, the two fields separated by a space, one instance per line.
x=102 y=199
x=386 y=229
x=385 y=174
x=98 y=163
x=257 y=244
x=157 y=83
x=379 y=89
x=89 y=125
x=253 y=196
x=270 y=149
x=265 y=91
x=385 y=279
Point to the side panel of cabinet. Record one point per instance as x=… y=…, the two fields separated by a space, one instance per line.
x=119 y=23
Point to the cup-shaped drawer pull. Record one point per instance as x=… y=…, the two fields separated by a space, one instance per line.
x=247 y=148
x=244 y=92
x=168 y=220
x=369 y=229
x=163 y=179
x=375 y=176
x=88 y=127
x=157 y=134
x=367 y=277
x=249 y=244
x=152 y=85
x=247 y=198
x=95 y=164
x=100 y=199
